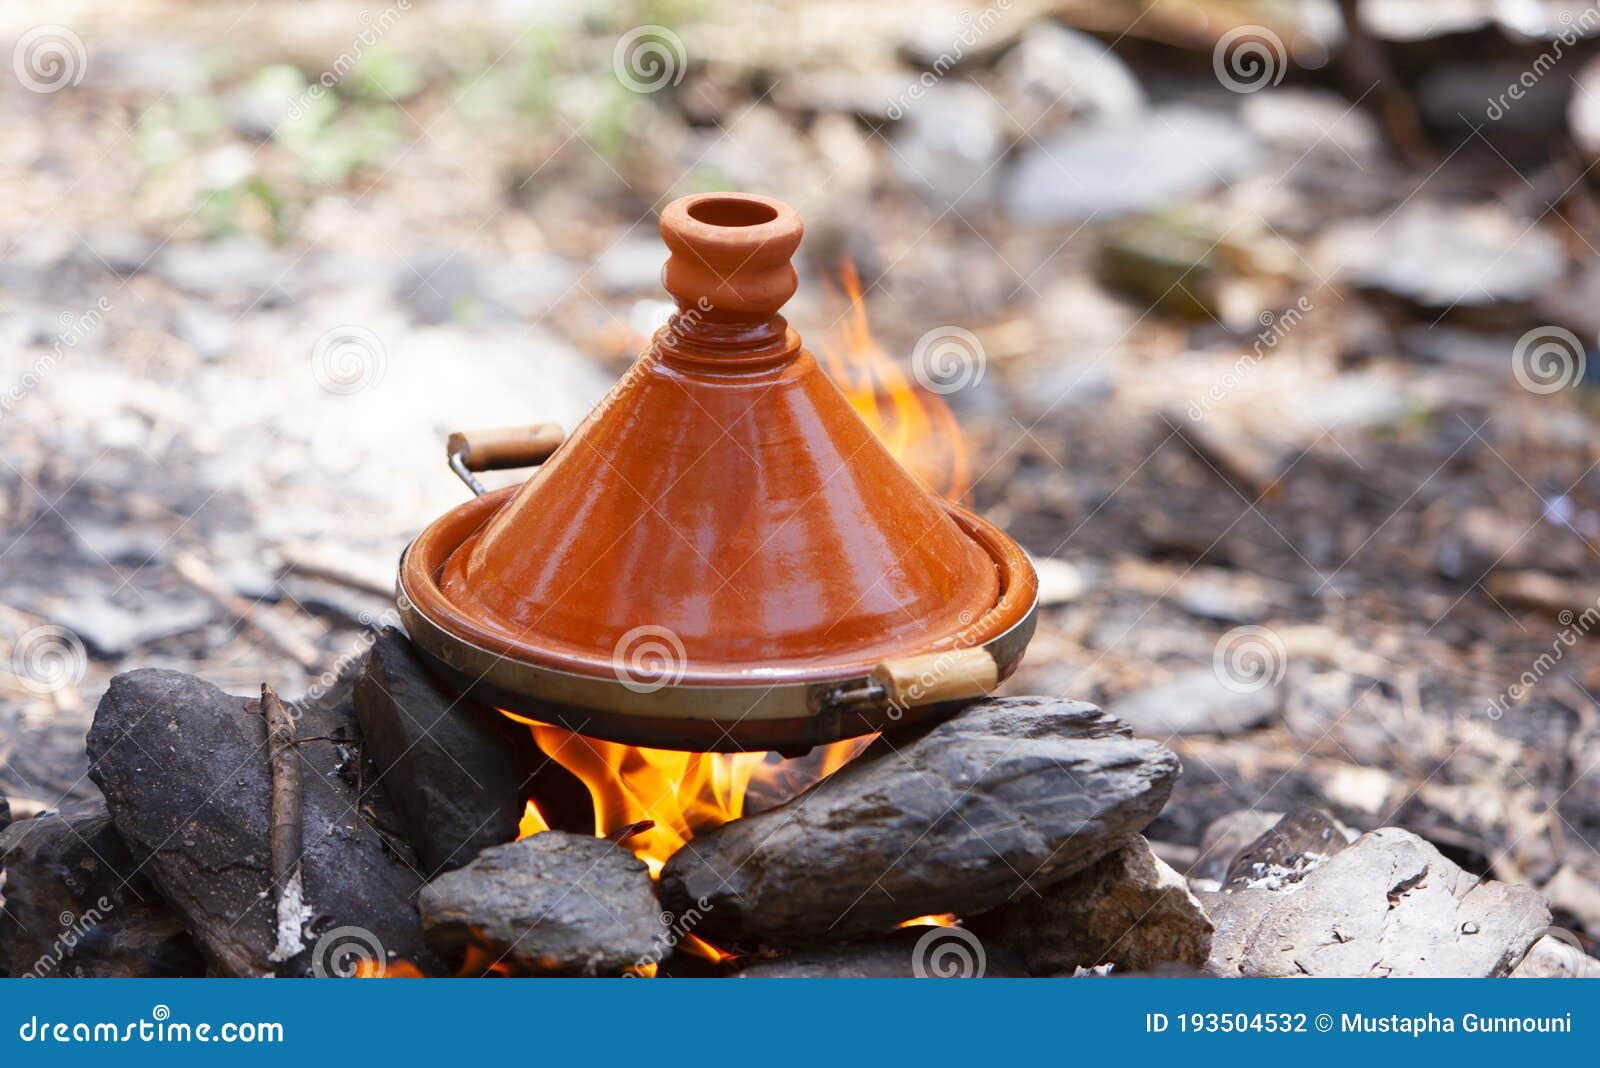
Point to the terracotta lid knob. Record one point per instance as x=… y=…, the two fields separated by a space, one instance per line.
x=730 y=255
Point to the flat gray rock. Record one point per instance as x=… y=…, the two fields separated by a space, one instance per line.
x=632 y=265
x=1437 y=255
x=240 y=268
x=552 y=903
x=1389 y=904
x=1201 y=702
x=1132 y=164
x=1012 y=794
x=947 y=144
x=184 y=770
x=1128 y=909
x=440 y=286
x=1057 y=75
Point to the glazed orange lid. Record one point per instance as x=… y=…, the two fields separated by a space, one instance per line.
x=723 y=493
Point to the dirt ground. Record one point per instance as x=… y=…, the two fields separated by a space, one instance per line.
x=1288 y=381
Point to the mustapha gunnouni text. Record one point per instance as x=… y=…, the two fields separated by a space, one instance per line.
x=1469 y=1022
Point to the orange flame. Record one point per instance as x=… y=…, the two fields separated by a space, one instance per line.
x=914 y=424
x=676 y=793
x=532 y=822
x=395 y=969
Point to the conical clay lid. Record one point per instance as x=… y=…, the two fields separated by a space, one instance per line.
x=724 y=501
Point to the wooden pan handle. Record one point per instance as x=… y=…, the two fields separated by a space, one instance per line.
x=954 y=675
x=504 y=447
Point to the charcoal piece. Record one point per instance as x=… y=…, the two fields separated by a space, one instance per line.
x=1287 y=851
x=1012 y=794
x=77 y=905
x=1127 y=909
x=913 y=953
x=1224 y=838
x=452 y=767
x=552 y=903
x=183 y=767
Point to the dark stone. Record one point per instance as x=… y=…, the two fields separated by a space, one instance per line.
x=184 y=770
x=452 y=767
x=552 y=903
x=1224 y=839
x=1011 y=794
x=1128 y=909
x=77 y=905
x=912 y=953
x=1287 y=851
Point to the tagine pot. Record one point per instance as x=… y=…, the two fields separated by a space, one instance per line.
x=722 y=555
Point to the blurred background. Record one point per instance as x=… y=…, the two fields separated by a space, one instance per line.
x=1266 y=327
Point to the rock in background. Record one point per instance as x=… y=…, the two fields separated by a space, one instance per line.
x=1389 y=904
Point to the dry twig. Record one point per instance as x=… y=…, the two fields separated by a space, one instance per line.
x=287 y=834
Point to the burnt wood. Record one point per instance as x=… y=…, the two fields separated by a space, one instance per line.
x=453 y=768
x=184 y=768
